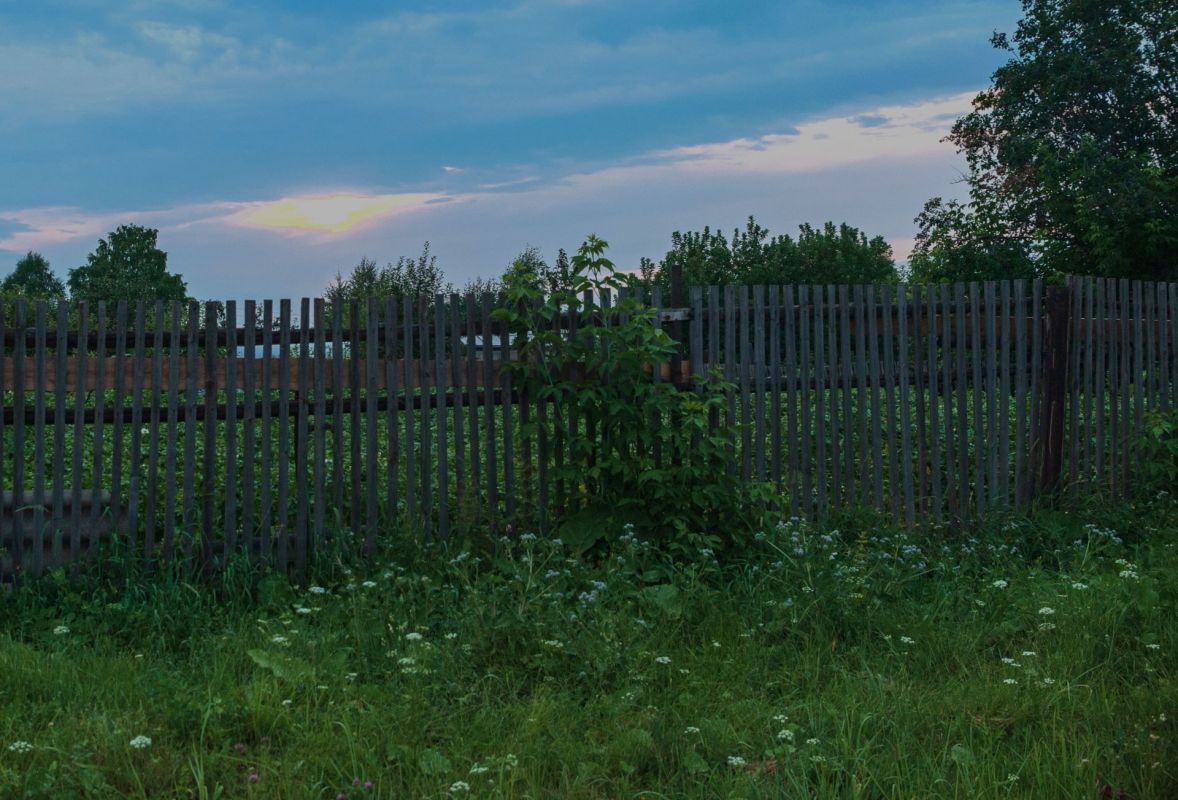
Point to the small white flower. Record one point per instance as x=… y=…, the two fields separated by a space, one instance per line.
x=369 y=584
x=413 y=636
x=786 y=734
x=1046 y=611
x=690 y=729
x=451 y=635
x=302 y=610
x=553 y=643
x=351 y=676
x=1046 y=626
x=999 y=584
x=60 y=630
x=780 y=717
x=141 y=742
x=1154 y=646
x=715 y=644
x=736 y=761
x=20 y=747
x=1048 y=681
x=316 y=590
x=907 y=640
x=287 y=702
x=812 y=742
x=478 y=769
x=279 y=639
x=1010 y=681
x=663 y=660
x=459 y=786
x=1079 y=586
x=1028 y=653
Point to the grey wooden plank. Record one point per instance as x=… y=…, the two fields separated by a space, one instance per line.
x=730 y=368
x=873 y=365
x=1163 y=317
x=832 y=394
x=75 y=527
x=976 y=312
x=411 y=385
x=696 y=347
x=1173 y=341
x=1036 y=328
x=1099 y=376
x=187 y=521
x=492 y=494
x=151 y=506
x=1021 y=318
x=229 y=514
x=932 y=335
x=990 y=357
x=265 y=519
x=355 y=456
x=209 y=473
x=1126 y=385
x=120 y=399
x=508 y=429
x=17 y=550
x=319 y=468
x=57 y=528
x=249 y=432
x=1169 y=343
x=846 y=373
x=1139 y=364
x=1152 y=369
x=137 y=461
x=472 y=396
x=424 y=437
x=302 y=496
x=559 y=431
x=281 y=542
x=457 y=386
x=805 y=375
x=918 y=318
x=822 y=469
x=744 y=364
x=1084 y=310
x=20 y=345
x=1005 y=332
x=392 y=424
x=338 y=393
x=542 y=445
x=861 y=392
x=1072 y=411
x=99 y=440
x=758 y=363
x=906 y=469
x=961 y=382
x=889 y=370
x=791 y=396
x=440 y=392
x=774 y=383
x=371 y=415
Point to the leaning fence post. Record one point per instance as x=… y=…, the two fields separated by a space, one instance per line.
x=1053 y=386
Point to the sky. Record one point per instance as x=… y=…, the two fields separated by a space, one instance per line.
x=274 y=144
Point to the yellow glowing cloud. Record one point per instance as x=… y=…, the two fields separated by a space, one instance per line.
x=338 y=212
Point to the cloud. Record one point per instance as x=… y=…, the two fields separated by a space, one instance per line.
x=337 y=212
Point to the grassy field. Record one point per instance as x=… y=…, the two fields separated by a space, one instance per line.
x=1033 y=658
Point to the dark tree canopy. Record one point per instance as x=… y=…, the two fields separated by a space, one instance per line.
x=408 y=277
x=828 y=255
x=127 y=265
x=1073 y=151
x=32 y=278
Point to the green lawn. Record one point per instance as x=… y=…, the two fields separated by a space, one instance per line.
x=1033 y=658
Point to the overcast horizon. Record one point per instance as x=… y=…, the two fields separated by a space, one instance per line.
x=273 y=149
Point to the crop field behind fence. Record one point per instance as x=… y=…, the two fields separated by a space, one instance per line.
x=195 y=431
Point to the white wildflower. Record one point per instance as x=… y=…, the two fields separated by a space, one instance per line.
x=60 y=630
x=736 y=761
x=141 y=742
x=20 y=747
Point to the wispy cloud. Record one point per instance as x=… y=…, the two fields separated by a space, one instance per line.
x=333 y=213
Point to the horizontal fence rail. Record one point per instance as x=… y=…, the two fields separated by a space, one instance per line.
x=186 y=432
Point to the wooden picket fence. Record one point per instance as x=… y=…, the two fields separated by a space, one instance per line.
x=185 y=432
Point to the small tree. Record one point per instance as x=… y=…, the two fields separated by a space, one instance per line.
x=32 y=278
x=127 y=265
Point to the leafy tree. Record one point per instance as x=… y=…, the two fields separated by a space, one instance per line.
x=1073 y=150
x=829 y=254
x=127 y=265
x=954 y=245
x=32 y=278
x=408 y=277
x=549 y=279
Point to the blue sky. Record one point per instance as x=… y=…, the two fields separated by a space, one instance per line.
x=274 y=144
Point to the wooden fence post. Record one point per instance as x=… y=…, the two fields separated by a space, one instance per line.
x=676 y=331
x=1053 y=387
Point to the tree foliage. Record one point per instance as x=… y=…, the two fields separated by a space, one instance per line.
x=1072 y=152
x=127 y=265
x=32 y=278
x=408 y=277
x=830 y=254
